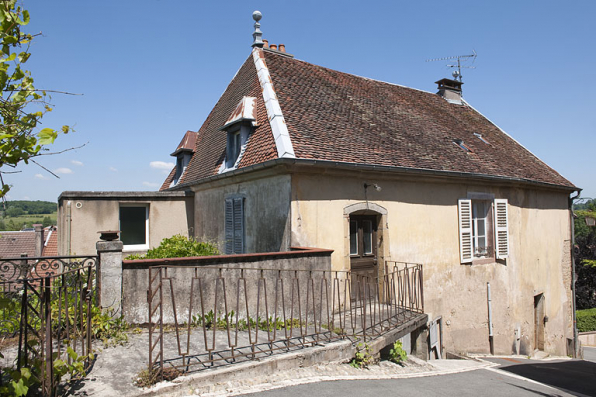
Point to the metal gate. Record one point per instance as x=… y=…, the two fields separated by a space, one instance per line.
x=45 y=303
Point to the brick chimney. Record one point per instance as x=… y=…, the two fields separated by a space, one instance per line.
x=39 y=239
x=450 y=90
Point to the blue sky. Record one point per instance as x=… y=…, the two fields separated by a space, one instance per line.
x=150 y=70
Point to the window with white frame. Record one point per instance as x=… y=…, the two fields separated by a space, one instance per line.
x=134 y=226
x=234 y=225
x=483 y=229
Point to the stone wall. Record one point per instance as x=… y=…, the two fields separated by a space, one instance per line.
x=206 y=271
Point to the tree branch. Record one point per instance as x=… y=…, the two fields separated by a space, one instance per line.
x=36 y=163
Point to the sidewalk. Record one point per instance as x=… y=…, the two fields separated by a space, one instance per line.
x=115 y=368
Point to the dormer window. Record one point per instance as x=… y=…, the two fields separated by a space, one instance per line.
x=183 y=154
x=238 y=128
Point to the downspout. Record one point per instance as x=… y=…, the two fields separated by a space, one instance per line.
x=490 y=321
x=68 y=226
x=576 y=352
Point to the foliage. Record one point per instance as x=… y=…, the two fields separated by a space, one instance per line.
x=32 y=207
x=109 y=329
x=586 y=320
x=147 y=378
x=18 y=142
x=221 y=322
x=397 y=354
x=178 y=246
x=363 y=357
x=585 y=258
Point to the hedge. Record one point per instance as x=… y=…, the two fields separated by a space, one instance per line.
x=586 y=320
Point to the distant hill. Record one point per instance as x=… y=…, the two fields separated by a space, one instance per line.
x=24 y=207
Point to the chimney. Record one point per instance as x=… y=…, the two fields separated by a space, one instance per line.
x=273 y=46
x=450 y=90
x=39 y=239
x=265 y=43
x=282 y=47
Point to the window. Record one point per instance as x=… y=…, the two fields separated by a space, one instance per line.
x=134 y=226
x=234 y=147
x=483 y=229
x=362 y=235
x=234 y=225
x=182 y=161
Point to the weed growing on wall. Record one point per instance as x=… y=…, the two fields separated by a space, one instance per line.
x=178 y=246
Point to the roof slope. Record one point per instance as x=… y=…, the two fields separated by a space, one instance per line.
x=15 y=244
x=340 y=117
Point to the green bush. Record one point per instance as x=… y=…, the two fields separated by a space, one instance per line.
x=178 y=246
x=586 y=320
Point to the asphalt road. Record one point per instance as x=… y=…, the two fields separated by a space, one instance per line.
x=513 y=377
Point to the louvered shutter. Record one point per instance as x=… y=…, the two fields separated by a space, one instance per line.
x=229 y=226
x=465 y=230
x=501 y=229
x=239 y=225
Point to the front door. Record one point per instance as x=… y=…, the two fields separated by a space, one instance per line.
x=363 y=251
x=539 y=322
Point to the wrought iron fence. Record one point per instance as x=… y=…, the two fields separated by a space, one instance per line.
x=46 y=302
x=203 y=317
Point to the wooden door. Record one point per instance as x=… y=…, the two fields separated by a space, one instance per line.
x=363 y=251
x=539 y=322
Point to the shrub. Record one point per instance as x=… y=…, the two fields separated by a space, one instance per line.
x=178 y=246
x=586 y=320
x=397 y=354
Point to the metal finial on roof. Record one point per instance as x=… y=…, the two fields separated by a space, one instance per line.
x=257 y=41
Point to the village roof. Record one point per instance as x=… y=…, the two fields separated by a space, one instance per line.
x=14 y=244
x=331 y=116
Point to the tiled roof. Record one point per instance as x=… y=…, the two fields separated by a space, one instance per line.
x=340 y=117
x=188 y=142
x=14 y=244
x=50 y=247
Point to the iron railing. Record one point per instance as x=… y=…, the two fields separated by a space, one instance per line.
x=46 y=303
x=203 y=317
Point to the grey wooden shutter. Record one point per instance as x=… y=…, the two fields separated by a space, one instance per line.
x=465 y=230
x=501 y=229
x=239 y=225
x=229 y=227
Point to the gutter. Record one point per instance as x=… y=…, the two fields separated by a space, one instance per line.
x=371 y=167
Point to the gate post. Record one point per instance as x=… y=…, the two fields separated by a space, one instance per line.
x=109 y=250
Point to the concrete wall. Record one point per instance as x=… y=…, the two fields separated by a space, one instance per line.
x=421 y=226
x=81 y=215
x=266 y=209
x=135 y=279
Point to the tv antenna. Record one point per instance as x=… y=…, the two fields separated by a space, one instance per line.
x=460 y=59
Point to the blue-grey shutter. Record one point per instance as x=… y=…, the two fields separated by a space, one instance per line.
x=229 y=226
x=239 y=225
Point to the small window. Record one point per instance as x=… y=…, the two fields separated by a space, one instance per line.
x=234 y=147
x=134 y=227
x=353 y=238
x=182 y=161
x=367 y=237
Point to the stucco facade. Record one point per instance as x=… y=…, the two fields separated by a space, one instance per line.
x=81 y=215
x=418 y=223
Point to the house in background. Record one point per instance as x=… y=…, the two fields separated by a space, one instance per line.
x=39 y=242
x=295 y=154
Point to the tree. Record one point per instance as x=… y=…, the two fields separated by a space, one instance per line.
x=18 y=141
x=585 y=259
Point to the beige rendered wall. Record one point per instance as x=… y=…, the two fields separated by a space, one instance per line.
x=266 y=211
x=81 y=218
x=421 y=226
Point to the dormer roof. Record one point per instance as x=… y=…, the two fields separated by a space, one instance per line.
x=245 y=111
x=187 y=144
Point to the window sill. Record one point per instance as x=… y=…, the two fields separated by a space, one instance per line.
x=135 y=247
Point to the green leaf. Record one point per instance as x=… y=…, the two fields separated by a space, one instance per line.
x=71 y=353
x=46 y=136
x=11 y=57
x=19 y=388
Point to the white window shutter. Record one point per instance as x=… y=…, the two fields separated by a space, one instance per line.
x=229 y=227
x=501 y=229
x=465 y=230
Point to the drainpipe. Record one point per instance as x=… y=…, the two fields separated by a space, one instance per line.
x=490 y=321
x=576 y=352
x=68 y=227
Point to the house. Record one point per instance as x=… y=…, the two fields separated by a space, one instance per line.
x=295 y=154
x=38 y=242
